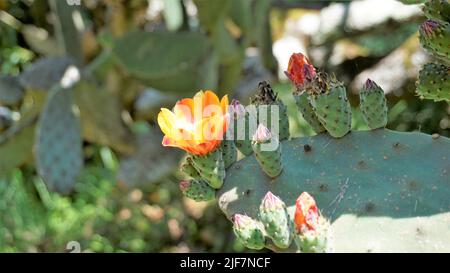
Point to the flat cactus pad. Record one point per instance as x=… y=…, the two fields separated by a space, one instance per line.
x=384 y=191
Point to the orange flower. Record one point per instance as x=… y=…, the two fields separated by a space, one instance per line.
x=300 y=69
x=195 y=125
x=306 y=213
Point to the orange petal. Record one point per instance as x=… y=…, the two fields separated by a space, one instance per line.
x=210 y=98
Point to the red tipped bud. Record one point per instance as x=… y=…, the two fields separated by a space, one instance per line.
x=300 y=70
x=306 y=213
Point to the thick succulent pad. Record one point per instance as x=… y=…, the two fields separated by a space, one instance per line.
x=383 y=191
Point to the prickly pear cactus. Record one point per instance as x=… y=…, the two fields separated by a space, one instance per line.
x=372 y=185
x=343 y=190
x=434 y=79
x=58 y=142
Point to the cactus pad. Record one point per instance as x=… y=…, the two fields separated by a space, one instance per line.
x=434 y=82
x=197 y=190
x=435 y=37
x=437 y=9
x=333 y=110
x=59 y=152
x=304 y=106
x=45 y=72
x=373 y=105
x=372 y=185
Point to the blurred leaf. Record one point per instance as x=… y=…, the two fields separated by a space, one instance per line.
x=100 y=114
x=210 y=13
x=38 y=39
x=59 y=152
x=11 y=92
x=151 y=162
x=45 y=73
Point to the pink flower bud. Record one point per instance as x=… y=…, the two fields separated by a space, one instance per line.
x=262 y=134
x=237 y=109
x=271 y=201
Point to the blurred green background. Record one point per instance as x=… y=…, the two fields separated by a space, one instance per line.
x=137 y=56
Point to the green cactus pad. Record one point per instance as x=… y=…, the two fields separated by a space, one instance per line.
x=187 y=168
x=43 y=74
x=436 y=39
x=197 y=190
x=307 y=111
x=373 y=106
x=270 y=161
x=229 y=152
x=278 y=225
x=243 y=143
x=59 y=153
x=250 y=233
x=333 y=110
x=434 y=82
x=437 y=9
x=211 y=167
x=313 y=242
x=11 y=92
x=186 y=59
x=372 y=185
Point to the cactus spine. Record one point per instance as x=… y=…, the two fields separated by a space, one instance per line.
x=373 y=105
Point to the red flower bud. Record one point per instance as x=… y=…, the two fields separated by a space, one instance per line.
x=306 y=213
x=300 y=70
